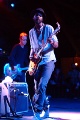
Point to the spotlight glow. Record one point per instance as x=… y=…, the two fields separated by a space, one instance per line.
x=12 y=4
x=66 y=115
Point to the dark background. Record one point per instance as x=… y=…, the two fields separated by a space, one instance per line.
x=18 y=19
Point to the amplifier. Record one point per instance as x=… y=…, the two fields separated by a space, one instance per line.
x=19 y=97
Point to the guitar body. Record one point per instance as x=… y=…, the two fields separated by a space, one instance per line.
x=32 y=67
x=18 y=70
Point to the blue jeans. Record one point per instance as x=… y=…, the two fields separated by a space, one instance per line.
x=42 y=77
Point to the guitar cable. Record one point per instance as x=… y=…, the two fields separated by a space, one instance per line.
x=30 y=98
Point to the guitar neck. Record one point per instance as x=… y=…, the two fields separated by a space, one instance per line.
x=54 y=33
x=25 y=68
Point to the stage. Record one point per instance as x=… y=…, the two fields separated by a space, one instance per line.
x=60 y=109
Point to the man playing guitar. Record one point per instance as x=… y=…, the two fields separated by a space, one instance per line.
x=42 y=41
x=20 y=56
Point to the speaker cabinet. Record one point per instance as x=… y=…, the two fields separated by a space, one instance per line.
x=19 y=97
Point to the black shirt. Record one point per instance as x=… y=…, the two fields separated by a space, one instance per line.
x=19 y=55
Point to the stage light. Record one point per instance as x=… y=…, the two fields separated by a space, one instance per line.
x=76 y=64
x=12 y=5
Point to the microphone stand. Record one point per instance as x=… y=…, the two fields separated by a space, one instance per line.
x=7 y=115
x=31 y=103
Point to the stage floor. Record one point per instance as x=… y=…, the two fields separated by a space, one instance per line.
x=60 y=109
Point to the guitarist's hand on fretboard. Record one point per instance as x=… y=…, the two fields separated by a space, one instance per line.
x=53 y=43
x=50 y=40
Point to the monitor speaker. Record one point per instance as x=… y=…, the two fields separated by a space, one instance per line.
x=19 y=97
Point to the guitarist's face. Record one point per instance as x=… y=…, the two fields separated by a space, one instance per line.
x=23 y=40
x=38 y=18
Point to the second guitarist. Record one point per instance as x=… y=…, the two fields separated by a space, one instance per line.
x=20 y=55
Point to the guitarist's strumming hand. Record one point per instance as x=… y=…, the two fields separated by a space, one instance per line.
x=35 y=56
x=50 y=40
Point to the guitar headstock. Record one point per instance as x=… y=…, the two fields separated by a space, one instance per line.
x=58 y=25
x=57 y=29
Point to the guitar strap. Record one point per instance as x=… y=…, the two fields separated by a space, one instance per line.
x=43 y=33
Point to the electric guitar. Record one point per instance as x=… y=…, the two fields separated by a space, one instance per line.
x=37 y=56
x=18 y=71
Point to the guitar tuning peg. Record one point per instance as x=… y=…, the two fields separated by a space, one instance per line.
x=58 y=24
